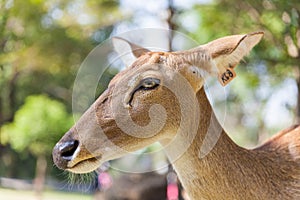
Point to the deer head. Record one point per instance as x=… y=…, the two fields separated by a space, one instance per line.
x=149 y=101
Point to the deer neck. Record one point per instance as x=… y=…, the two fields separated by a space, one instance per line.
x=220 y=173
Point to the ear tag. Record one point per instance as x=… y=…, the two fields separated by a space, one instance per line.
x=227 y=76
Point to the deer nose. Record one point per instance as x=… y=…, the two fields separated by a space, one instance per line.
x=63 y=152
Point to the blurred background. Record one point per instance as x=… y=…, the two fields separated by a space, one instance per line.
x=43 y=43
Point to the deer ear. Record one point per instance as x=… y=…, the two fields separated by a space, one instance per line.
x=227 y=52
x=127 y=50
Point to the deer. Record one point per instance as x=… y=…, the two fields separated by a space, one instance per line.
x=161 y=96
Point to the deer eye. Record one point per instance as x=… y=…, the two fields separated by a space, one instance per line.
x=149 y=83
x=145 y=84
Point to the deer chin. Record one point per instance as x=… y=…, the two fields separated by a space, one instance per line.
x=85 y=166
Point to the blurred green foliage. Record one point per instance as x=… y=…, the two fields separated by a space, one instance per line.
x=37 y=125
x=42 y=44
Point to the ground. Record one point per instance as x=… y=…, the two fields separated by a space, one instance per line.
x=48 y=195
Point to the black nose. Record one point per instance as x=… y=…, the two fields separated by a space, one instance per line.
x=63 y=153
x=67 y=149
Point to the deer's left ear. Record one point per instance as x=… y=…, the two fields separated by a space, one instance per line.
x=128 y=51
x=227 y=52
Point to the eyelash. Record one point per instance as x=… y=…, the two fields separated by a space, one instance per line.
x=142 y=87
x=152 y=82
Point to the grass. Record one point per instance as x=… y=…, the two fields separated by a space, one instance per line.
x=47 y=195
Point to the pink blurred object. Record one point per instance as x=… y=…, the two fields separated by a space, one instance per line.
x=104 y=180
x=172 y=192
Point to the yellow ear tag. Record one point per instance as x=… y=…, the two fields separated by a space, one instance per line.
x=227 y=76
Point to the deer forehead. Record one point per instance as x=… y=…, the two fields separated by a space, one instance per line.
x=152 y=62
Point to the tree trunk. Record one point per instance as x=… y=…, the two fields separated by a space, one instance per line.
x=297 y=113
x=41 y=167
x=170 y=21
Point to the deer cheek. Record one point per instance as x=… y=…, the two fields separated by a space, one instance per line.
x=139 y=113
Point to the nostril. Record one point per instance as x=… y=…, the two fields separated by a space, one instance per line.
x=68 y=149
